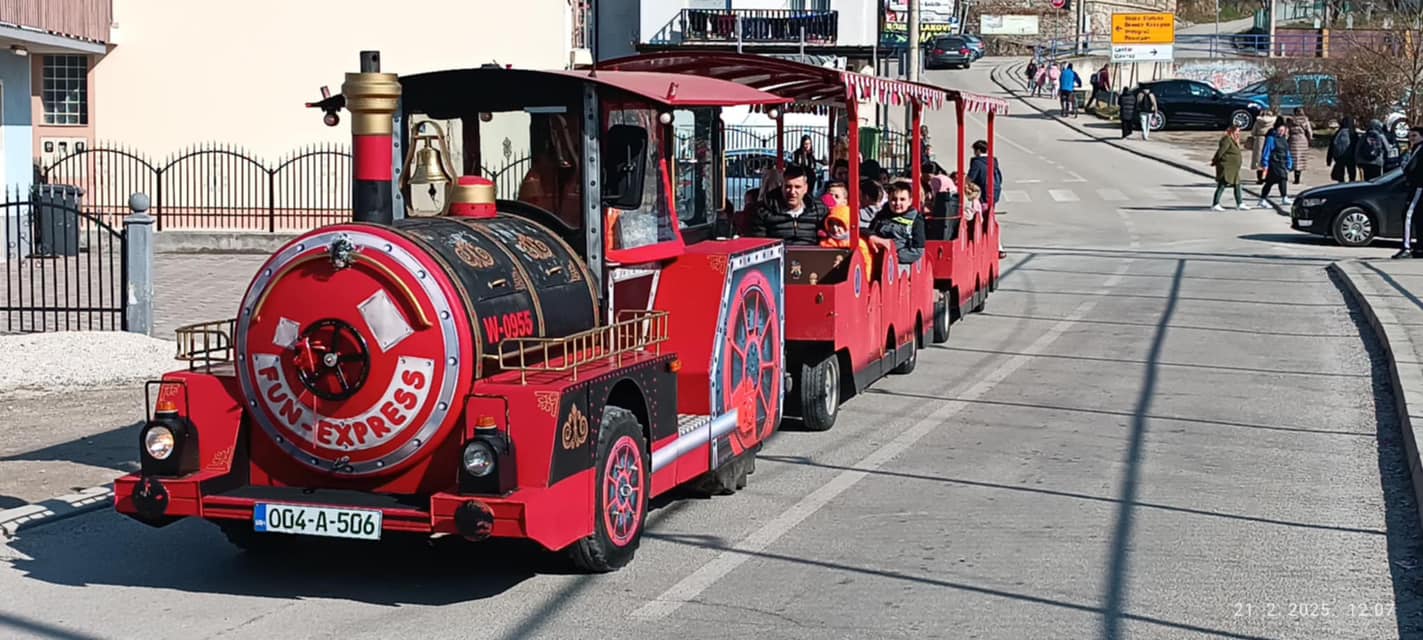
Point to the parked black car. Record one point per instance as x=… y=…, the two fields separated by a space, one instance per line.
x=1354 y=213
x=1193 y=104
x=946 y=52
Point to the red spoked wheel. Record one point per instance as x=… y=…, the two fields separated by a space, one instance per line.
x=619 y=496
x=622 y=492
x=753 y=371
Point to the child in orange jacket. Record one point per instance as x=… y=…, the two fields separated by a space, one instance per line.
x=837 y=234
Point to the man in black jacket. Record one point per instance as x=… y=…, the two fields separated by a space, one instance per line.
x=1413 y=177
x=793 y=218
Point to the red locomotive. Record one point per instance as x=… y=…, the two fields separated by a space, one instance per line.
x=523 y=369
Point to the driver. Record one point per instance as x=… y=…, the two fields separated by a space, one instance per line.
x=793 y=218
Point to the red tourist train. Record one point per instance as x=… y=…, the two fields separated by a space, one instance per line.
x=533 y=368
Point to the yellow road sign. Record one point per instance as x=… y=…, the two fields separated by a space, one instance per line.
x=1143 y=28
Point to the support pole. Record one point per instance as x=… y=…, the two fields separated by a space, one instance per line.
x=781 y=142
x=138 y=266
x=852 y=120
x=912 y=49
x=992 y=163
x=962 y=171
x=916 y=153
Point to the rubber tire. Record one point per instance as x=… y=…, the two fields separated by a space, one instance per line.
x=907 y=366
x=943 y=325
x=1250 y=120
x=1334 y=231
x=597 y=553
x=980 y=300
x=1160 y=122
x=813 y=411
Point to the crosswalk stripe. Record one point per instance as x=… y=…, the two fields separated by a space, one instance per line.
x=1111 y=195
x=1062 y=195
x=1015 y=196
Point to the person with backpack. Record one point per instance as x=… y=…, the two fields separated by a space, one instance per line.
x=1145 y=108
x=1278 y=162
x=1372 y=151
x=1341 y=151
x=1413 y=178
x=1126 y=106
x=1032 y=73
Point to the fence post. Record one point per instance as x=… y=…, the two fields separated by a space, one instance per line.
x=138 y=260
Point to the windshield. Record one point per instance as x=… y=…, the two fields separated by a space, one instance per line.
x=1258 y=87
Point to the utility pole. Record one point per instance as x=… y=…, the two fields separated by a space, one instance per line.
x=913 y=44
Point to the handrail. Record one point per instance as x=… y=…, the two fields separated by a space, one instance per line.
x=633 y=331
x=206 y=343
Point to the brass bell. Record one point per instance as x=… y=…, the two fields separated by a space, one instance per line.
x=428 y=164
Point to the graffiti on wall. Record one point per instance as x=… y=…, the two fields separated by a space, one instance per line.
x=1226 y=75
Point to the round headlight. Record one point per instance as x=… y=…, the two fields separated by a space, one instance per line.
x=158 y=441
x=478 y=459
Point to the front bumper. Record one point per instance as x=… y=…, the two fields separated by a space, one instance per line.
x=159 y=501
x=1309 y=220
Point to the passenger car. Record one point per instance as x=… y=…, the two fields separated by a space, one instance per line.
x=1299 y=90
x=1353 y=213
x=947 y=52
x=1190 y=103
x=975 y=44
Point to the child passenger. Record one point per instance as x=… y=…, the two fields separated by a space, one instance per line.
x=837 y=232
x=899 y=226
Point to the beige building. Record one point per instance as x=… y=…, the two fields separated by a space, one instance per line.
x=181 y=72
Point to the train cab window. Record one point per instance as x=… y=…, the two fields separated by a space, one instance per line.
x=553 y=177
x=694 y=180
x=635 y=182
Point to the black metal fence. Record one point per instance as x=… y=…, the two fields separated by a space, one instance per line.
x=889 y=148
x=64 y=269
x=213 y=186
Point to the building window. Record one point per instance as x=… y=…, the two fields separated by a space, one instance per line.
x=66 y=89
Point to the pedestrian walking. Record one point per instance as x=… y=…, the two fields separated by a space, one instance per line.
x=1413 y=178
x=1301 y=137
x=1277 y=162
x=1264 y=127
x=1066 y=91
x=1040 y=81
x=1032 y=74
x=1341 y=151
x=1054 y=73
x=1372 y=151
x=1126 y=105
x=1146 y=107
x=1227 y=161
x=1101 y=87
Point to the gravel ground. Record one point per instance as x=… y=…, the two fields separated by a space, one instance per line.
x=72 y=360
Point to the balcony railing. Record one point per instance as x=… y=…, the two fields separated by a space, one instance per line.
x=780 y=26
x=84 y=19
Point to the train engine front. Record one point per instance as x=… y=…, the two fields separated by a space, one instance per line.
x=377 y=379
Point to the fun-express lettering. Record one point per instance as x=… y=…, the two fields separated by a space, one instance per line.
x=396 y=409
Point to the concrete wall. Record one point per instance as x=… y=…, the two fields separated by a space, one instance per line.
x=16 y=122
x=1226 y=75
x=618 y=28
x=186 y=71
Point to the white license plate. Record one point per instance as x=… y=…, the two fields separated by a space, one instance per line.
x=1304 y=223
x=364 y=524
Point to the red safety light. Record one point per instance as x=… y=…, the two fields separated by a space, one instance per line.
x=939 y=52
x=964 y=51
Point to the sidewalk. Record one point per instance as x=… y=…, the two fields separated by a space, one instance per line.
x=1390 y=295
x=1193 y=158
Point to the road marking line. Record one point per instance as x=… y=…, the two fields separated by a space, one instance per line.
x=1030 y=181
x=727 y=561
x=1062 y=195
x=1012 y=195
x=1112 y=195
x=1074 y=177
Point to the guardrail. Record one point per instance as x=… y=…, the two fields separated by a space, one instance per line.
x=754 y=26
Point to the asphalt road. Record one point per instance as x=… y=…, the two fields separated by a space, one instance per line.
x=1165 y=425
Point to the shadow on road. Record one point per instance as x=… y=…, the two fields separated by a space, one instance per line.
x=112 y=449
x=36 y=628
x=1405 y=537
x=1290 y=238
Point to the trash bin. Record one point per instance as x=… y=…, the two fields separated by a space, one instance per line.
x=55 y=215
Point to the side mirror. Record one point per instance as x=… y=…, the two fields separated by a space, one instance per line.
x=624 y=166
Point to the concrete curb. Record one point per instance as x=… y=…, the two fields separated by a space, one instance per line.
x=993 y=75
x=12 y=521
x=1406 y=379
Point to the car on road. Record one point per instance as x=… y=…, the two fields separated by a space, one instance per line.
x=975 y=44
x=1353 y=213
x=1295 y=91
x=745 y=166
x=1193 y=104
x=947 y=52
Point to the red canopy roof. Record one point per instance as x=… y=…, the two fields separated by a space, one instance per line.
x=679 y=90
x=804 y=83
